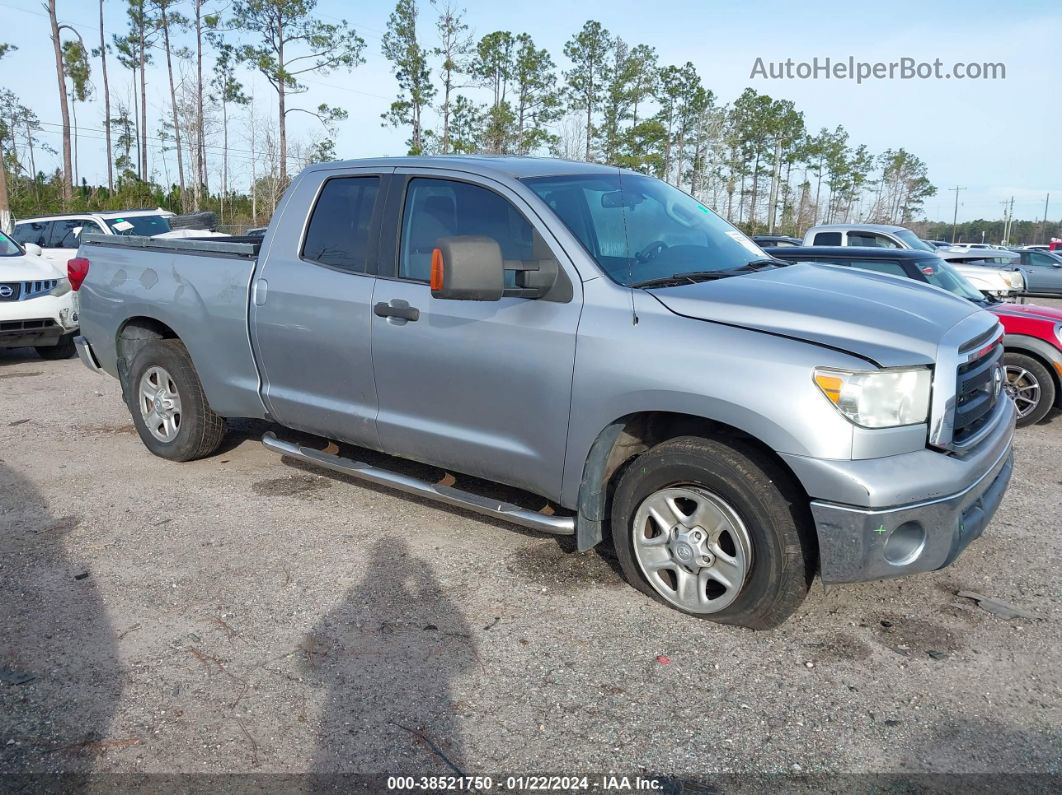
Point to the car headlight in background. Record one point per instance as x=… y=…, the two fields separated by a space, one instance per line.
x=1017 y=282
x=878 y=398
x=61 y=288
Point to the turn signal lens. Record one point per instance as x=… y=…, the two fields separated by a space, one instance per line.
x=830 y=386
x=436 y=269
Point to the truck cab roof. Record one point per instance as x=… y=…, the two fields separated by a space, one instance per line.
x=510 y=166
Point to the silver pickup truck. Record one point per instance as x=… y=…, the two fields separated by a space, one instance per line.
x=587 y=335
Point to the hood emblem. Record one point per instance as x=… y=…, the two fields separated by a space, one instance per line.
x=5 y=291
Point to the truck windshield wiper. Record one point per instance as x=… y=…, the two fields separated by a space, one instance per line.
x=693 y=277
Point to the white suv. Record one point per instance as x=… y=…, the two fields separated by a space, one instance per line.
x=37 y=307
x=58 y=235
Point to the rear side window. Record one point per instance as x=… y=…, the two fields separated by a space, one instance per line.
x=338 y=234
x=827 y=239
x=33 y=232
x=65 y=233
x=437 y=208
x=890 y=267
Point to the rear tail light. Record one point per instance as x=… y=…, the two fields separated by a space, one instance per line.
x=76 y=270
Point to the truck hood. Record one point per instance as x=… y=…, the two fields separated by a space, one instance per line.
x=891 y=321
x=28 y=268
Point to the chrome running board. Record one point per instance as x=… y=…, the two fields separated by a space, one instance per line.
x=557 y=525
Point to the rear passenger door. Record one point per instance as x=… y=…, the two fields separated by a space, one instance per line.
x=1043 y=273
x=311 y=306
x=480 y=387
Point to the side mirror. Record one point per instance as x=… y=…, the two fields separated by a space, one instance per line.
x=467 y=268
x=34 y=249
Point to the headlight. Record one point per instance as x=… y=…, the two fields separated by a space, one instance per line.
x=879 y=398
x=61 y=288
x=1016 y=281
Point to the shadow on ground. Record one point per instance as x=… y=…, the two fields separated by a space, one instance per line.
x=60 y=680
x=388 y=657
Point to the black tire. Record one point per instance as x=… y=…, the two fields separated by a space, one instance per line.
x=64 y=349
x=201 y=430
x=773 y=509
x=1033 y=371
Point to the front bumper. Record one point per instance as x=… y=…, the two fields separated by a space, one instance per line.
x=39 y=321
x=909 y=513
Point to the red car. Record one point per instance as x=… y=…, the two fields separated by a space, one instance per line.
x=1033 y=358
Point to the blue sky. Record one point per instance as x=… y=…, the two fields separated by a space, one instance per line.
x=996 y=138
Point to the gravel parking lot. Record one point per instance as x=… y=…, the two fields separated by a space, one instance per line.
x=240 y=614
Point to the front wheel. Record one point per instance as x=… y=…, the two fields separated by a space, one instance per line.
x=714 y=528
x=169 y=409
x=1030 y=385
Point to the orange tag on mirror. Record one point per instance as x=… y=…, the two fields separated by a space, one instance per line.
x=436 y=269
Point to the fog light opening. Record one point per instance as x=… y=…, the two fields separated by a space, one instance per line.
x=905 y=543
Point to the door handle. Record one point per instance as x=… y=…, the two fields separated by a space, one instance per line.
x=397 y=309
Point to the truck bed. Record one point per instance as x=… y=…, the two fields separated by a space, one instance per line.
x=194 y=289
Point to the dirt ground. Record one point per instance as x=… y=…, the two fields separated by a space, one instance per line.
x=241 y=614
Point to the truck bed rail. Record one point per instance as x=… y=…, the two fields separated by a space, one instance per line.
x=183 y=245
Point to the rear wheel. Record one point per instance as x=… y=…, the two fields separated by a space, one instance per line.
x=167 y=403
x=715 y=529
x=63 y=349
x=1030 y=385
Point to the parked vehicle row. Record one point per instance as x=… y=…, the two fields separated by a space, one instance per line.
x=591 y=336
x=59 y=236
x=989 y=273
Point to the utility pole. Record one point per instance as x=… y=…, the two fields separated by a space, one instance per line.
x=1043 y=226
x=955 y=217
x=1009 y=222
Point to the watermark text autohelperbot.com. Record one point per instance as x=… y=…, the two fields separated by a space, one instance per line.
x=860 y=71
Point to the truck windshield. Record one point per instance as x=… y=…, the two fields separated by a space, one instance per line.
x=941 y=274
x=639 y=229
x=146 y=225
x=8 y=247
x=914 y=241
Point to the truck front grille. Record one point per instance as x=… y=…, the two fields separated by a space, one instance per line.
x=977 y=388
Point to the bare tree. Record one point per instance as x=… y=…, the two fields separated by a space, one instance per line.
x=102 y=52
x=169 y=19
x=60 y=75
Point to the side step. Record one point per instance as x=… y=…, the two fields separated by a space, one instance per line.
x=558 y=525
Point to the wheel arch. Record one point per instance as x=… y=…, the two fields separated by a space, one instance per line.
x=627 y=437
x=131 y=337
x=1046 y=354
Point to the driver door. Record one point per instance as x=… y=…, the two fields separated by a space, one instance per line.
x=479 y=387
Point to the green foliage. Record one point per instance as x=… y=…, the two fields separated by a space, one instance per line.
x=409 y=62
x=78 y=71
x=589 y=50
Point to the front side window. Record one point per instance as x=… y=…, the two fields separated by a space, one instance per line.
x=338 y=234
x=437 y=208
x=36 y=232
x=1042 y=260
x=638 y=229
x=827 y=239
